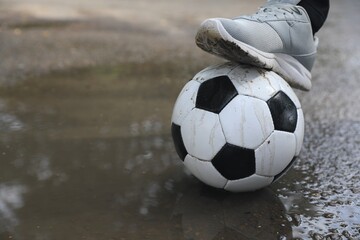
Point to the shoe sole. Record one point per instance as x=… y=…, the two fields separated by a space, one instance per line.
x=213 y=38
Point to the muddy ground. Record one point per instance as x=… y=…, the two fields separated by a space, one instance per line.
x=86 y=94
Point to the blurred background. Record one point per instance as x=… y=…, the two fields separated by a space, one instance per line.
x=40 y=36
x=86 y=94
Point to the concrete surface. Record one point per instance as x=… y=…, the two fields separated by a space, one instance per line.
x=86 y=93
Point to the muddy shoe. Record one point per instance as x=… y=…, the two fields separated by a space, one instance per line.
x=278 y=37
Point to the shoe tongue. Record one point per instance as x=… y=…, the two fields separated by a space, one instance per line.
x=276 y=4
x=272 y=9
x=279 y=8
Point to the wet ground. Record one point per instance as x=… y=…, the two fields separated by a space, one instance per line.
x=86 y=94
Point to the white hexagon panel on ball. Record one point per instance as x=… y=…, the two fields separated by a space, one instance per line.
x=251 y=183
x=299 y=131
x=275 y=154
x=202 y=134
x=246 y=122
x=205 y=172
x=254 y=82
x=215 y=71
x=185 y=102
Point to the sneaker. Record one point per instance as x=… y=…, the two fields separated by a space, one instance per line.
x=278 y=37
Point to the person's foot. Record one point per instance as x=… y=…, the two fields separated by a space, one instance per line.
x=278 y=37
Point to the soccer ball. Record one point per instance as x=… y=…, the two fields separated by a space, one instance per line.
x=237 y=127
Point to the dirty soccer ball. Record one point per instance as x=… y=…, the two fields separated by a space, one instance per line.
x=237 y=127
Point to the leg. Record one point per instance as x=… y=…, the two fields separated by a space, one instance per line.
x=317 y=11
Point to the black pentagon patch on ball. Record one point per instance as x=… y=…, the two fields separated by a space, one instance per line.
x=285 y=170
x=283 y=112
x=178 y=141
x=235 y=162
x=215 y=93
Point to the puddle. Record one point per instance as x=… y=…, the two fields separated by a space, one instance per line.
x=87 y=154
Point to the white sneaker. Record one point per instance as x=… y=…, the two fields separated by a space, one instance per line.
x=278 y=37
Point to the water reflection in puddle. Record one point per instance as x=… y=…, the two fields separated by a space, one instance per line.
x=87 y=154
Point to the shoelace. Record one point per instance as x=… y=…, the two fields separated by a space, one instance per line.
x=265 y=12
